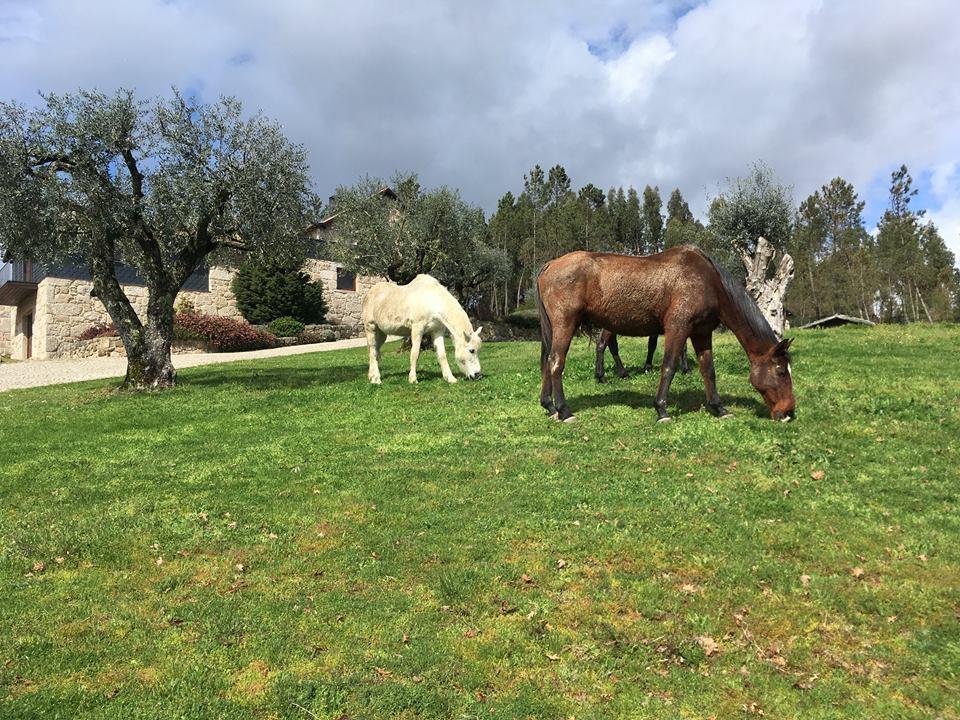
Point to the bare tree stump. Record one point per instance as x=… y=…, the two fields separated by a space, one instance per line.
x=769 y=293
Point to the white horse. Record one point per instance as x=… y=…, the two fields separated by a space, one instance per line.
x=422 y=307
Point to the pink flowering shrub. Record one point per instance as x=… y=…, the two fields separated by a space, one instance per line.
x=220 y=333
x=99 y=331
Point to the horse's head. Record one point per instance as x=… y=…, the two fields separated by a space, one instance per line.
x=467 y=351
x=770 y=375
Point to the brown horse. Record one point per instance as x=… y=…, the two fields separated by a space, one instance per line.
x=681 y=293
x=609 y=340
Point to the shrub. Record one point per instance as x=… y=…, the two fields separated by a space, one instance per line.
x=266 y=291
x=308 y=336
x=185 y=305
x=221 y=333
x=99 y=331
x=286 y=327
x=524 y=319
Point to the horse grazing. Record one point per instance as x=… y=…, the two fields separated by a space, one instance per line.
x=421 y=308
x=681 y=293
x=609 y=340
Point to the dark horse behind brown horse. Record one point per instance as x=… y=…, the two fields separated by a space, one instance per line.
x=609 y=340
x=681 y=293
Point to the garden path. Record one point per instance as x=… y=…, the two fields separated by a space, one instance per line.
x=34 y=373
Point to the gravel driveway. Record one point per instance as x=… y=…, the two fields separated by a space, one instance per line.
x=34 y=373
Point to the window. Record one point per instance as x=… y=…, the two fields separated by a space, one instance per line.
x=346 y=280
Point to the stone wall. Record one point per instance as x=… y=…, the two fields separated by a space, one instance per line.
x=113 y=347
x=6 y=330
x=220 y=299
x=16 y=345
x=343 y=306
x=65 y=309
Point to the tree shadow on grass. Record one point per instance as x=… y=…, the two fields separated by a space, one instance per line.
x=270 y=379
x=280 y=378
x=689 y=400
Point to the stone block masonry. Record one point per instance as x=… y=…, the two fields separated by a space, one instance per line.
x=64 y=309
x=343 y=306
x=6 y=330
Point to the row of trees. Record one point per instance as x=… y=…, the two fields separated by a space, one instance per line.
x=169 y=184
x=902 y=273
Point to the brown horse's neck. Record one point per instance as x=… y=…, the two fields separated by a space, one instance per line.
x=743 y=318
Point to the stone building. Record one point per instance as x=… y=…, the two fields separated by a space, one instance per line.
x=44 y=312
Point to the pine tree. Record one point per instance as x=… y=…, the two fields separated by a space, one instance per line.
x=652 y=219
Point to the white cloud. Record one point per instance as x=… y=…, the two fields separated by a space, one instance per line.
x=473 y=95
x=945 y=187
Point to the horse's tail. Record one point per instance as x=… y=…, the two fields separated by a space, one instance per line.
x=546 y=328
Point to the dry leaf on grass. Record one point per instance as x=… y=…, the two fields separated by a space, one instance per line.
x=708 y=645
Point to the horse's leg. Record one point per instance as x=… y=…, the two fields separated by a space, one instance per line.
x=684 y=365
x=416 y=335
x=604 y=339
x=374 y=341
x=618 y=368
x=673 y=344
x=546 y=389
x=703 y=346
x=381 y=339
x=442 y=358
x=651 y=349
x=562 y=335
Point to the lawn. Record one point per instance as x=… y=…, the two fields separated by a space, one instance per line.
x=279 y=539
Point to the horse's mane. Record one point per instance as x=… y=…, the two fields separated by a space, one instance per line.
x=745 y=305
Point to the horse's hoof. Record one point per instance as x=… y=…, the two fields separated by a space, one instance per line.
x=451 y=380
x=571 y=419
x=601 y=379
x=374 y=381
x=555 y=416
x=665 y=420
x=726 y=416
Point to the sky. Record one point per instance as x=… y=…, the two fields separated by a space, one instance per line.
x=670 y=93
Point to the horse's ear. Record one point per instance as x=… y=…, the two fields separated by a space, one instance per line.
x=467 y=336
x=783 y=346
x=477 y=331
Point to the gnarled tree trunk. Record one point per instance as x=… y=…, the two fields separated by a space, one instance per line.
x=148 y=346
x=768 y=293
x=149 y=364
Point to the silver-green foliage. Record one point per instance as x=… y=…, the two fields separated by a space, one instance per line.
x=160 y=185
x=420 y=231
x=750 y=207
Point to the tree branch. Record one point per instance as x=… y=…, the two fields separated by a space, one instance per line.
x=234 y=242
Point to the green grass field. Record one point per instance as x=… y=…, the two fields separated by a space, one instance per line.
x=279 y=539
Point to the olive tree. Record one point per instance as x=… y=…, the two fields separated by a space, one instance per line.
x=749 y=208
x=410 y=230
x=161 y=185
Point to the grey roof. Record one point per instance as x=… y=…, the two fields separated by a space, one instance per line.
x=836 y=320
